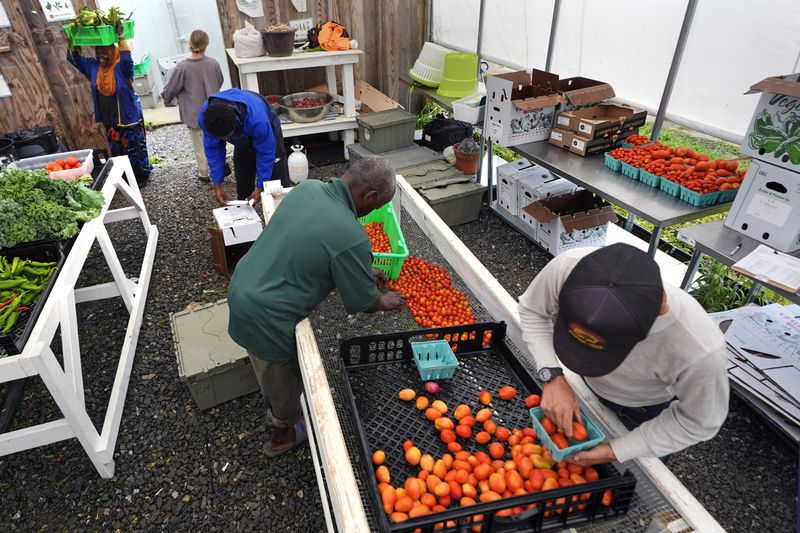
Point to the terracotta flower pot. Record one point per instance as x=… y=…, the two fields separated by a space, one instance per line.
x=466 y=163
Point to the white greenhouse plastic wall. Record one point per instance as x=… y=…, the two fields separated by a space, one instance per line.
x=630 y=44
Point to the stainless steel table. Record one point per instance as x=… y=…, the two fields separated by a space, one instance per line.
x=725 y=245
x=651 y=204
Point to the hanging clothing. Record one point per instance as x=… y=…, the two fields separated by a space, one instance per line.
x=106 y=78
x=131 y=141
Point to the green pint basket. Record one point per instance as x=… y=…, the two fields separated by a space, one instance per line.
x=389 y=264
x=434 y=360
x=596 y=436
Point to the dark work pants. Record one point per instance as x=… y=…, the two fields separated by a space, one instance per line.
x=244 y=162
x=281 y=385
x=633 y=417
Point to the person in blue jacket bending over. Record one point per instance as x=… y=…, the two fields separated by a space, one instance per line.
x=247 y=121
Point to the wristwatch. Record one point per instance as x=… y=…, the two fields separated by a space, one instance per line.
x=548 y=374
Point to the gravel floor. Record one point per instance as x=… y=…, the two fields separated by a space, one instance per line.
x=178 y=469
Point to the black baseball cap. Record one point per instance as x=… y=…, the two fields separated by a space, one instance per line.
x=606 y=306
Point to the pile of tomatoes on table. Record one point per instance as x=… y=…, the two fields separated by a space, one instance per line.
x=514 y=463
x=63 y=164
x=695 y=171
x=637 y=140
x=378 y=238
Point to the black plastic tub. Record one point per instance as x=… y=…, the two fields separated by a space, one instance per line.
x=278 y=43
x=7 y=151
x=14 y=341
x=377 y=367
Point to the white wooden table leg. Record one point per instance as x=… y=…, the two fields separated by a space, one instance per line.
x=60 y=388
x=349 y=90
x=115 y=266
x=330 y=79
x=70 y=345
x=349 y=137
x=251 y=82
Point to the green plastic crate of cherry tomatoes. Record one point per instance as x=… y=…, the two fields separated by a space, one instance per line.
x=389 y=264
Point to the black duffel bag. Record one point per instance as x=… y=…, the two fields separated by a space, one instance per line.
x=442 y=132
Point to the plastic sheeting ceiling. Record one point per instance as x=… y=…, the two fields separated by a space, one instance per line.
x=732 y=44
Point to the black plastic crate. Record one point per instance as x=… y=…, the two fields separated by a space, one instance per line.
x=14 y=341
x=104 y=170
x=377 y=367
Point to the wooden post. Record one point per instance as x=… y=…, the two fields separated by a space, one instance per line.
x=71 y=91
x=31 y=102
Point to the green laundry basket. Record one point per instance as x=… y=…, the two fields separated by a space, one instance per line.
x=460 y=76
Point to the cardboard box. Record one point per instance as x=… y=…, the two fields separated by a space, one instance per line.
x=584 y=146
x=507 y=184
x=774 y=132
x=238 y=223
x=601 y=120
x=533 y=188
x=368 y=98
x=225 y=257
x=571 y=221
x=520 y=106
x=581 y=92
x=767 y=207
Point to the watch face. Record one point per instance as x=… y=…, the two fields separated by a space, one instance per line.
x=545 y=375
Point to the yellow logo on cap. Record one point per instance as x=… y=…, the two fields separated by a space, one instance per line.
x=586 y=337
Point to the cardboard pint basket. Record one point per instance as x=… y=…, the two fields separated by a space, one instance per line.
x=569 y=221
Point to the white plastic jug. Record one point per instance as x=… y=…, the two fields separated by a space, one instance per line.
x=298 y=164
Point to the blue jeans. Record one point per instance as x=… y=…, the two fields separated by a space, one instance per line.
x=633 y=417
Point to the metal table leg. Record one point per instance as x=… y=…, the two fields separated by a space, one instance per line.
x=629 y=222
x=651 y=250
x=691 y=269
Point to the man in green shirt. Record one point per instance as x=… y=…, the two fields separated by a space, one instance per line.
x=311 y=245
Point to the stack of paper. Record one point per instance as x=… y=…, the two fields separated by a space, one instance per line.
x=764 y=358
x=771 y=267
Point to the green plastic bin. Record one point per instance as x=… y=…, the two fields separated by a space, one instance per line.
x=140 y=69
x=595 y=436
x=670 y=187
x=389 y=264
x=648 y=178
x=697 y=199
x=97 y=35
x=630 y=171
x=434 y=359
x=610 y=162
x=385 y=131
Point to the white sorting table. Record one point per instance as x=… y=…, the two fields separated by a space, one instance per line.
x=65 y=384
x=339 y=492
x=249 y=68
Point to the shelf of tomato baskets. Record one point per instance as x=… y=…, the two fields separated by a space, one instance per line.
x=14 y=342
x=350 y=408
x=638 y=198
x=32 y=354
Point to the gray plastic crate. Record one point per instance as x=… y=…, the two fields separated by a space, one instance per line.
x=145 y=83
x=455 y=200
x=385 y=131
x=149 y=100
x=215 y=368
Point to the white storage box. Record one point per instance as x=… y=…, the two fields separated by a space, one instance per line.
x=167 y=64
x=569 y=221
x=507 y=184
x=520 y=106
x=538 y=185
x=238 y=223
x=34 y=163
x=469 y=108
x=767 y=208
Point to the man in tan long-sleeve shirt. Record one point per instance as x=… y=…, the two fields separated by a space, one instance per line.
x=647 y=349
